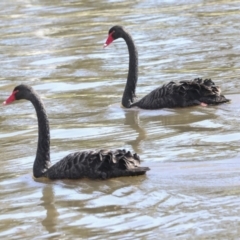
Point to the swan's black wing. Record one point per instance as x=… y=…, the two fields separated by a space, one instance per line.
x=183 y=94
x=101 y=164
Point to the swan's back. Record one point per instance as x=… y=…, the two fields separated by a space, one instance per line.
x=101 y=164
x=182 y=94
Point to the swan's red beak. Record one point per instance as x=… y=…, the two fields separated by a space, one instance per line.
x=109 y=40
x=11 y=98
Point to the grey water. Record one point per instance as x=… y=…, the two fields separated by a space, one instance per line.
x=192 y=190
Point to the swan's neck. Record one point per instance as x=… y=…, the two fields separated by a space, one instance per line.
x=42 y=160
x=129 y=91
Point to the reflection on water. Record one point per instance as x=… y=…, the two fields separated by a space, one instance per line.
x=48 y=202
x=192 y=190
x=132 y=120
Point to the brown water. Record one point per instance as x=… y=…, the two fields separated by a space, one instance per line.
x=192 y=190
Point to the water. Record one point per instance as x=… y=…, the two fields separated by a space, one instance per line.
x=192 y=190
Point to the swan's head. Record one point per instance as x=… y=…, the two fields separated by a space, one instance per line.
x=113 y=34
x=20 y=92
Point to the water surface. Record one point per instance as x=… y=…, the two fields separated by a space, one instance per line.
x=192 y=190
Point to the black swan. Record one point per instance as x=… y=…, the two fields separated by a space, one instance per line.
x=101 y=164
x=182 y=94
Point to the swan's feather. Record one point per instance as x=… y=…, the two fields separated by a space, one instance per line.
x=101 y=164
x=182 y=94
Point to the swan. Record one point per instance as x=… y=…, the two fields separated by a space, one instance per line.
x=94 y=164
x=170 y=95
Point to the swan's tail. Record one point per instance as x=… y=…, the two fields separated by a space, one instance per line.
x=213 y=100
x=205 y=91
x=129 y=172
x=138 y=171
x=120 y=163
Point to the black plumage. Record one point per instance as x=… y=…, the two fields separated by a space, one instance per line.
x=171 y=95
x=94 y=164
x=182 y=94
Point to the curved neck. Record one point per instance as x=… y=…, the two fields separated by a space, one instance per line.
x=129 y=91
x=42 y=160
